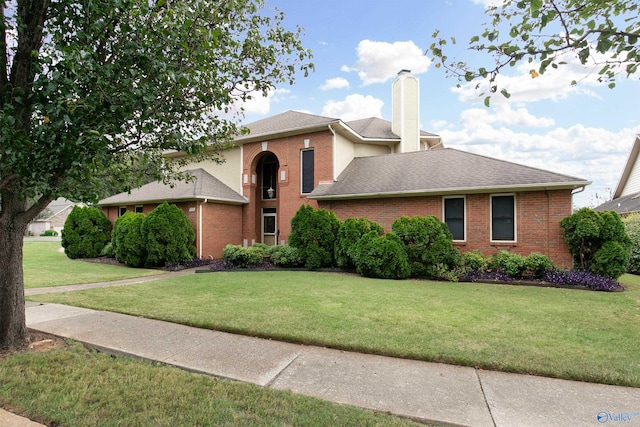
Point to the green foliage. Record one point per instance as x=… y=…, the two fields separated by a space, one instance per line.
x=591 y=235
x=314 y=233
x=128 y=241
x=632 y=226
x=381 y=257
x=285 y=256
x=473 y=261
x=242 y=257
x=169 y=236
x=543 y=32
x=86 y=232
x=350 y=231
x=537 y=265
x=49 y=233
x=107 y=251
x=513 y=265
x=428 y=244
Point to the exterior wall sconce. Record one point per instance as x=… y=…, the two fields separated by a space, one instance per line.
x=271 y=192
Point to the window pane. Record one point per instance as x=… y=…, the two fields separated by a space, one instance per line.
x=454 y=217
x=269 y=224
x=307 y=171
x=503 y=218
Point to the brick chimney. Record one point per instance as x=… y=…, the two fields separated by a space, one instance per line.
x=406 y=111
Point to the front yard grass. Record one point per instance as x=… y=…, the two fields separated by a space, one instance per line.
x=74 y=386
x=572 y=334
x=45 y=266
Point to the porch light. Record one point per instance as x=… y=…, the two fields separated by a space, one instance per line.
x=271 y=192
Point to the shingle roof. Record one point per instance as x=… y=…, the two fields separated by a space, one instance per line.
x=622 y=205
x=377 y=128
x=437 y=172
x=204 y=186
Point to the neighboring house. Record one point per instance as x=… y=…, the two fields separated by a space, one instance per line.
x=55 y=215
x=626 y=198
x=371 y=167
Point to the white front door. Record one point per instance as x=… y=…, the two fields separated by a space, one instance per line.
x=269 y=228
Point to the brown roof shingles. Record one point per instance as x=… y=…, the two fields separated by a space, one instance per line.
x=437 y=172
x=204 y=186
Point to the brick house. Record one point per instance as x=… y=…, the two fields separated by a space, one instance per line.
x=372 y=168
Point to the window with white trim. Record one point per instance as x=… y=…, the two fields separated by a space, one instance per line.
x=122 y=210
x=454 y=216
x=503 y=218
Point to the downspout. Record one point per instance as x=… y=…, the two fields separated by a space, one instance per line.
x=200 y=228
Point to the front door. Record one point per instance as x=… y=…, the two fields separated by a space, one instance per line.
x=269 y=228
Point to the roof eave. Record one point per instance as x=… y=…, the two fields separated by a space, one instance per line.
x=459 y=190
x=178 y=200
x=244 y=139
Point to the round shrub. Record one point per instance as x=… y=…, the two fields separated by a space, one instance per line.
x=537 y=265
x=127 y=239
x=587 y=232
x=381 y=257
x=242 y=257
x=285 y=256
x=632 y=226
x=428 y=243
x=513 y=265
x=314 y=232
x=473 y=261
x=168 y=236
x=350 y=231
x=86 y=232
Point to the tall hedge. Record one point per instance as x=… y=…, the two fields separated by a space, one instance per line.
x=314 y=233
x=428 y=243
x=350 y=231
x=632 y=226
x=598 y=242
x=86 y=232
x=127 y=239
x=168 y=235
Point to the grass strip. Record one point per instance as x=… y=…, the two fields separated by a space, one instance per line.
x=563 y=333
x=75 y=386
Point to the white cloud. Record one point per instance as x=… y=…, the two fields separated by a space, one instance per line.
x=336 y=83
x=380 y=61
x=354 y=107
x=594 y=154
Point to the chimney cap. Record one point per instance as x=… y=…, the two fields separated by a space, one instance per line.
x=404 y=71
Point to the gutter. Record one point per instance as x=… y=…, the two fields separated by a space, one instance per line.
x=459 y=190
x=200 y=228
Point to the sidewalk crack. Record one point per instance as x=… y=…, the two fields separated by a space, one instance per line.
x=281 y=371
x=484 y=395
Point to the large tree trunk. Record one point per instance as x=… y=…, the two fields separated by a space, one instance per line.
x=13 y=326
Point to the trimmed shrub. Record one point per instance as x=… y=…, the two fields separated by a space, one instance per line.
x=285 y=256
x=49 y=233
x=513 y=265
x=587 y=234
x=428 y=243
x=86 y=232
x=537 y=265
x=471 y=262
x=350 y=231
x=381 y=257
x=632 y=226
x=242 y=257
x=168 y=235
x=314 y=233
x=107 y=251
x=127 y=239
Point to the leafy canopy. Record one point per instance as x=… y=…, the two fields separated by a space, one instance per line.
x=601 y=33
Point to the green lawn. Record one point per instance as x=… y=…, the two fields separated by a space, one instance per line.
x=75 y=386
x=44 y=266
x=574 y=334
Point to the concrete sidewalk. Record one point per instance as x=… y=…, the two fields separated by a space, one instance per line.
x=430 y=392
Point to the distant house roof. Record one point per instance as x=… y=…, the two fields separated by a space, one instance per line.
x=626 y=198
x=622 y=205
x=295 y=123
x=204 y=186
x=444 y=171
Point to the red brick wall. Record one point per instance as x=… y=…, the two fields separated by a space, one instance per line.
x=221 y=224
x=538 y=215
x=289 y=197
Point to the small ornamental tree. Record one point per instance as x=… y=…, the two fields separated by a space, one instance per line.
x=597 y=241
x=168 y=236
x=350 y=231
x=314 y=233
x=428 y=243
x=86 y=232
x=126 y=238
x=381 y=257
x=632 y=226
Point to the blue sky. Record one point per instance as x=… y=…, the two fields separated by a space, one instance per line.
x=359 y=46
